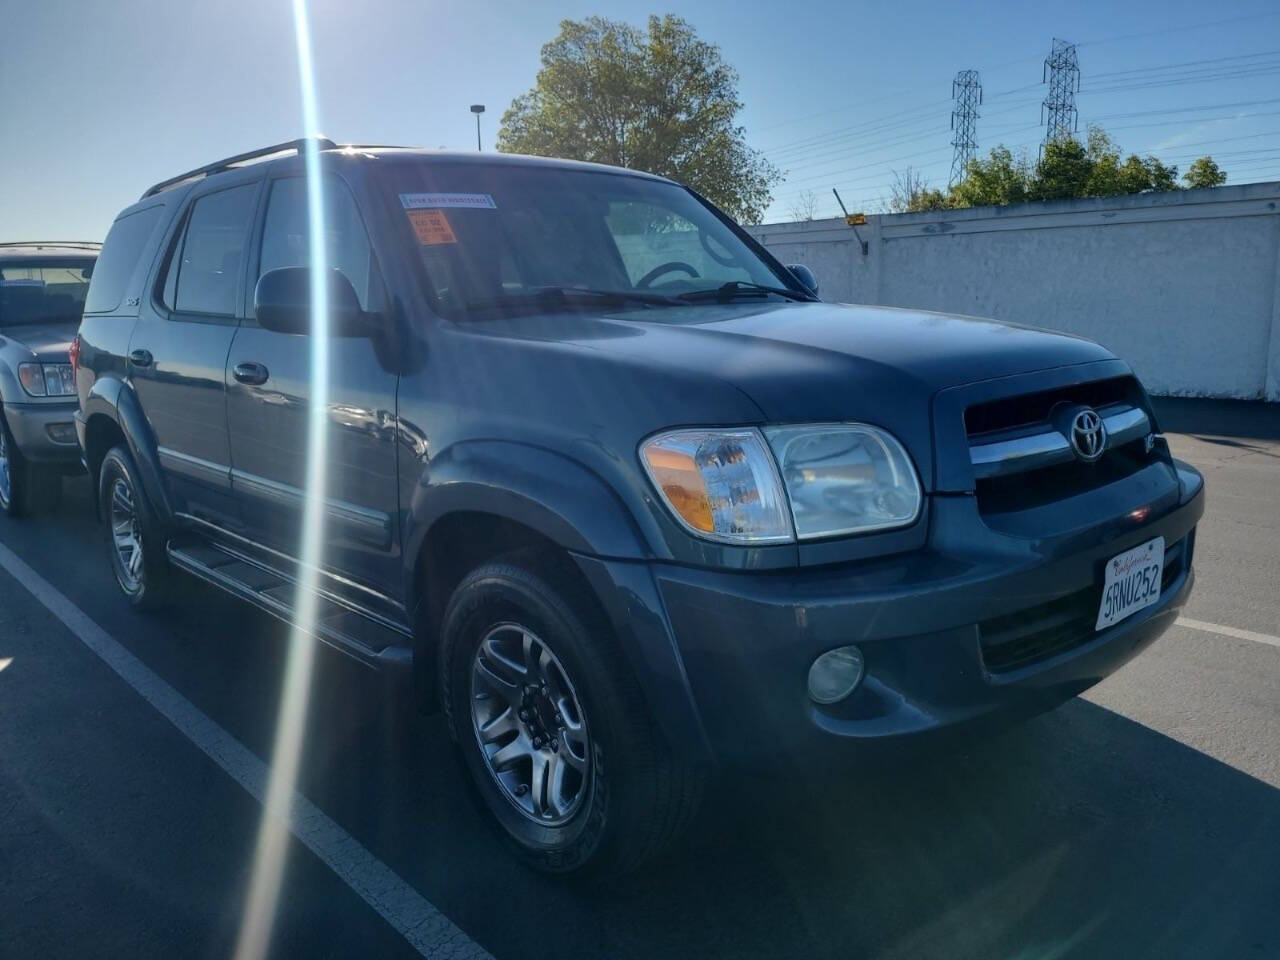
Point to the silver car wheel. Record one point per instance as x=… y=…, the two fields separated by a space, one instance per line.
x=529 y=724
x=126 y=536
x=6 y=484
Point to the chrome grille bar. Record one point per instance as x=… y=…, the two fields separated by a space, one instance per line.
x=1009 y=452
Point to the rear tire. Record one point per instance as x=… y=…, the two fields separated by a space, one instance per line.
x=622 y=795
x=25 y=487
x=133 y=536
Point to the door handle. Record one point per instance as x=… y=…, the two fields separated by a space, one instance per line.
x=250 y=373
x=140 y=358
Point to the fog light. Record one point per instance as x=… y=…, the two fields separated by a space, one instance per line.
x=835 y=674
x=61 y=432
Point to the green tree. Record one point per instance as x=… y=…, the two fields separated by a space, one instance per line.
x=1204 y=173
x=1067 y=168
x=660 y=100
x=1064 y=171
x=1000 y=179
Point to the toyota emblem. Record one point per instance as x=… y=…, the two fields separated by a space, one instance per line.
x=1088 y=435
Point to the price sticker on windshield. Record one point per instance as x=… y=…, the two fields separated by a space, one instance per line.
x=432 y=227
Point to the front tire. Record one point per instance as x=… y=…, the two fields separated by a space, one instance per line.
x=134 y=541
x=25 y=487
x=552 y=727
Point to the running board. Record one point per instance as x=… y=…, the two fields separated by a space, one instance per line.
x=369 y=638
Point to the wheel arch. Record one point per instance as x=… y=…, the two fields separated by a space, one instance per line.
x=482 y=499
x=113 y=415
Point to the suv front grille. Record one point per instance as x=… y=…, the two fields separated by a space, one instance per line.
x=1022 y=458
x=1037 y=633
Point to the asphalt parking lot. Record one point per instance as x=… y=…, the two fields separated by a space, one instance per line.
x=1141 y=820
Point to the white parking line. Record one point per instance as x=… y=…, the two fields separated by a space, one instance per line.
x=1229 y=631
x=428 y=930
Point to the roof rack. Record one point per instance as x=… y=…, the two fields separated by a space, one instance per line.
x=323 y=143
x=52 y=243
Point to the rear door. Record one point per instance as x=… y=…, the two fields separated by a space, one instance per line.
x=178 y=351
x=268 y=386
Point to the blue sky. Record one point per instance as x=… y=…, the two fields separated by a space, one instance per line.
x=101 y=99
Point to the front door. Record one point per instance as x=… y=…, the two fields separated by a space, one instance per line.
x=178 y=349
x=268 y=385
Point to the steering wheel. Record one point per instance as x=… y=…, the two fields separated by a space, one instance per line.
x=662 y=268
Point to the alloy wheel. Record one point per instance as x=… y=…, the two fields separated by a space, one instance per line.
x=6 y=483
x=126 y=535
x=529 y=724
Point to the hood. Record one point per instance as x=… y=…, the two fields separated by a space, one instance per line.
x=793 y=362
x=48 y=342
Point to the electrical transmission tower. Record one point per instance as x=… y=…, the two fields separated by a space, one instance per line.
x=1062 y=73
x=966 y=91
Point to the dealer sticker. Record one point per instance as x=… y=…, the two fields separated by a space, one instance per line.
x=431 y=227
x=447 y=201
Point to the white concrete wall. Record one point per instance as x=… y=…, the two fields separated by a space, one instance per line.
x=1185 y=285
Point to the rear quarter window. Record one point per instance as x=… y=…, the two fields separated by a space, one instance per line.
x=119 y=257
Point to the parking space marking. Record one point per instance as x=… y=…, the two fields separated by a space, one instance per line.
x=429 y=931
x=1229 y=631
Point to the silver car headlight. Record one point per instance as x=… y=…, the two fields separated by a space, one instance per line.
x=720 y=484
x=845 y=478
x=782 y=484
x=47 y=379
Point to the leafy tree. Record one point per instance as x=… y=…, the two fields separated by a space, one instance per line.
x=1064 y=170
x=660 y=100
x=1070 y=168
x=1204 y=173
x=1001 y=178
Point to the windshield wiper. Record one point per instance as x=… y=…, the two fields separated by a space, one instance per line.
x=743 y=288
x=551 y=297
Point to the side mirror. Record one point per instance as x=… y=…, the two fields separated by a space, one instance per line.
x=805 y=276
x=282 y=304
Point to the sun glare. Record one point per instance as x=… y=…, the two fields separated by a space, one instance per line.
x=273 y=833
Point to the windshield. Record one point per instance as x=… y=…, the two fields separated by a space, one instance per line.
x=43 y=291
x=498 y=237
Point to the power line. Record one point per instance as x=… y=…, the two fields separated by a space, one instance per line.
x=1184 y=27
x=966 y=91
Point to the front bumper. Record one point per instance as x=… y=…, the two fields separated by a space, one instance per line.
x=45 y=432
x=743 y=642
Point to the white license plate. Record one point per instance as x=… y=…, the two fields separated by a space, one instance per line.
x=1131 y=583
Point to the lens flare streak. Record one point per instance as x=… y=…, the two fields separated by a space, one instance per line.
x=273 y=832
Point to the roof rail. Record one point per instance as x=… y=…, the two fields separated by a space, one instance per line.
x=52 y=243
x=324 y=143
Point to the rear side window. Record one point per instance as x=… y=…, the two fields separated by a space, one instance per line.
x=210 y=256
x=124 y=245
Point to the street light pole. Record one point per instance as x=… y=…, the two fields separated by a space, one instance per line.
x=477 y=109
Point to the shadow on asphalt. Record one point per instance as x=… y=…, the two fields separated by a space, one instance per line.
x=1079 y=833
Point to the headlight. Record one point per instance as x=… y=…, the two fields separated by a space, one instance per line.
x=845 y=478
x=47 y=379
x=720 y=484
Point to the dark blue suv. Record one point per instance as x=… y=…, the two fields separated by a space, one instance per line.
x=629 y=501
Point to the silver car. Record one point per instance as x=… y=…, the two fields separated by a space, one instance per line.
x=42 y=293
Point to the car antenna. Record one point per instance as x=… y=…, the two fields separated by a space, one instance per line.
x=853 y=219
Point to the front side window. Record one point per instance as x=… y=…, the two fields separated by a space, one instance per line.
x=286 y=233
x=495 y=236
x=43 y=292
x=210 y=256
